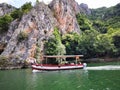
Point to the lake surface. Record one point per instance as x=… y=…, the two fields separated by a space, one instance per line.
x=61 y=80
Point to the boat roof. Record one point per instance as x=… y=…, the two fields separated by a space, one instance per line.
x=62 y=56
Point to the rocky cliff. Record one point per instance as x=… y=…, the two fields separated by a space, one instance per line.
x=85 y=9
x=5 y=9
x=26 y=36
x=37 y=25
x=65 y=12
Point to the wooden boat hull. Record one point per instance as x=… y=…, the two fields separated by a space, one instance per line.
x=55 y=68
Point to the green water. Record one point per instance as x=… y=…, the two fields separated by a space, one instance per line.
x=60 y=80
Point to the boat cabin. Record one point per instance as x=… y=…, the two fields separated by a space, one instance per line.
x=63 y=59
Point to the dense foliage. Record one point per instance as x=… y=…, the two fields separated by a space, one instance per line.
x=91 y=44
x=83 y=22
x=26 y=7
x=54 y=45
x=18 y=13
x=4 y=23
x=101 y=39
x=110 y=16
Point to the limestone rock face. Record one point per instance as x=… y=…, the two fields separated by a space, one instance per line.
x=38 y=25
x=84 y=9
x=5 y=9
x=65 y=12
x=26 y=37
x=5 y=37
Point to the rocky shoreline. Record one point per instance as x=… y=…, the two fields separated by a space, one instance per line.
x=14 y=67
x=10 y=67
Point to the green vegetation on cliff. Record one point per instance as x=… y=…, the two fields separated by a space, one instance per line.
x=109 y=16
x=4 y=23
x=54 y=45
x=16 y=14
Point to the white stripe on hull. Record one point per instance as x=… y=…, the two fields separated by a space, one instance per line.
x=53 y=68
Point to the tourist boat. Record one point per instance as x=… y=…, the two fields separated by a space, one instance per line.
x=36 y=67
x=50 y=67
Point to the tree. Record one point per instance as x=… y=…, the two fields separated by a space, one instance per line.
x=116 y=41
x=54 y=45
x=4 y=23
x=103 y=45
x=51 y=47
x=71 y=43
x=86 y=44
x=37 y=1
x=16 y=14
x=100 y=26
x=26 y=7
x=83 y=22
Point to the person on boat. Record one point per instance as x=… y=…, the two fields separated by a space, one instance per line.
x=84 y=65
x=78 y=60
